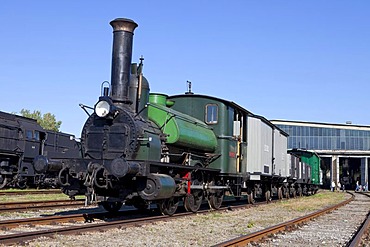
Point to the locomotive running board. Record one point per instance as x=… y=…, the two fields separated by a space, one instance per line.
x=205 y=187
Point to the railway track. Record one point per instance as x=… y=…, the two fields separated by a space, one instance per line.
x=29 y=192
x=363 y=232
x=338 y=228
x=25 y=236
x=37 y=205
x=23 y=233
x=136 y=218
x=7 y=225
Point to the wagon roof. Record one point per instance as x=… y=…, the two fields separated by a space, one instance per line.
x=232 y=104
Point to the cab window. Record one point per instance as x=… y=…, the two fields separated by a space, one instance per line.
x=33 y=135
x=211 y=114
x=29 y=134
x=36 y=135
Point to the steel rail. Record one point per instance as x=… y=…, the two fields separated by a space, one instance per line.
x=52 y=219
x=33 y=205
x=26 y=236
x=357 y=238
x=9 y=224
x=256 y=236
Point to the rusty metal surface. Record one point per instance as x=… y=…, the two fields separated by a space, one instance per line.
x=35 y=205
x=9 y=224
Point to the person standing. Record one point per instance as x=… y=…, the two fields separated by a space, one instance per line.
x=357 y=185
x=332 y=186
x=339 y=186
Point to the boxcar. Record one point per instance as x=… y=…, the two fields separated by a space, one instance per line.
x=309 y=171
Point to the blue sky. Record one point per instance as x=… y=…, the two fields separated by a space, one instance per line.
x=293 y=60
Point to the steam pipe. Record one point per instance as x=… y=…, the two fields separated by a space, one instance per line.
x=123 y=32
x=42 y=164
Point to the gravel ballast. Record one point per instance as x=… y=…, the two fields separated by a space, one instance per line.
x=200 y=230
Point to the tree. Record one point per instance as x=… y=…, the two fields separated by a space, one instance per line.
x=47 y=121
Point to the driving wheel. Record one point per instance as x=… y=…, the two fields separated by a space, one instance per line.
x=3 y=181
x=193 y=201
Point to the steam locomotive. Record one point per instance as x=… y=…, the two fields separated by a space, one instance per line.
x=21 y=140
x=141 y=148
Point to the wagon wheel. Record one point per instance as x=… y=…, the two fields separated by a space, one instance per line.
x=168 y=206
x=22 y=184
x=286 y=193
x=304 y=190
x=3 y=181
x=250 y=198
x=293 y=192
x=300 y=191
x=215 y=196
x=280 y=193
x=268 y=196
x=215 y=199
x=112 y=207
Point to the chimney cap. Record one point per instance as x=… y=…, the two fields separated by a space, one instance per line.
x=123 y=24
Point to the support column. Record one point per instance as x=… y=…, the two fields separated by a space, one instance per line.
x=334 y=169
x=364 y=171
x=367 y=176
x=337 y=167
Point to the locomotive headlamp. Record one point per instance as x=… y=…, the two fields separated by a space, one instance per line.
x=104 y=107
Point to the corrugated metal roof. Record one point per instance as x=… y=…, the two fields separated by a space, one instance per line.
x=322 y=125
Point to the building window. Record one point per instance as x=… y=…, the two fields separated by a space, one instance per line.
x=211 y=114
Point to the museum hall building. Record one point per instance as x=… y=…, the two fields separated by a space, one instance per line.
x=344 y=149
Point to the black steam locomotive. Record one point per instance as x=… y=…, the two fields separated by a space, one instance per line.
x=140 y=148
x=21 y=140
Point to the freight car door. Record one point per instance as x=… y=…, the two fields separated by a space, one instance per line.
x=239 y=129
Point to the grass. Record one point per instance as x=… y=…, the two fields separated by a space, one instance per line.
x=250 y=224
x=35 y=197
x=24 y=190
x=314 y=202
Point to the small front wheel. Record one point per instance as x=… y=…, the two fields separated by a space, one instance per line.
x=112 y=207
x=168 y=206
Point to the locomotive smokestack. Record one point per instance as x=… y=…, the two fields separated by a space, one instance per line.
x=123 y=32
